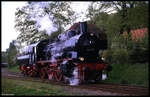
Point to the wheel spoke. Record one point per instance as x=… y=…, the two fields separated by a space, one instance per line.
x=58 y=75
x=42 y=73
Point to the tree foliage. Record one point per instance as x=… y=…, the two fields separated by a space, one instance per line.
x=61 y=12
x=27 y=27
x=95 y=10
x=11 y=54
x=129 y=15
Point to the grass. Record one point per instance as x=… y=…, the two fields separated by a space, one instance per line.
x=19 y=87
x=135 y=74
x=14 y=69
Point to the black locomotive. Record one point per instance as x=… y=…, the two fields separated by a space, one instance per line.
x=72 y=55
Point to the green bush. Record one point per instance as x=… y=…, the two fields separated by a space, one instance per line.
x=138 y=55
x=124 y=49
x=138 y=50
x=108 y=56
x=119 y=56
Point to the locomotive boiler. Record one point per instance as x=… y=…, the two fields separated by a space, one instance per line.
x=71 y=57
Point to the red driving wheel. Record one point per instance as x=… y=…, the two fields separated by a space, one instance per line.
x=42 y=73
x=50 y=73
x=58 y=75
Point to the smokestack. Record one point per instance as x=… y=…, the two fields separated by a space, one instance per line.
x=83 y=27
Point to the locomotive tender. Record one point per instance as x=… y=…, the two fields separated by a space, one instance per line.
x=73 y=56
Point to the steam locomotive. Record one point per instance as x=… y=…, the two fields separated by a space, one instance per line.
x=71 y=57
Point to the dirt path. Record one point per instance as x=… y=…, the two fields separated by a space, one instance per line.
x=5 y=72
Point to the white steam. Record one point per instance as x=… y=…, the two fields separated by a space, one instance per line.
x=45 y=23
x=74 y=80
x=43 y=20
x=104 y=76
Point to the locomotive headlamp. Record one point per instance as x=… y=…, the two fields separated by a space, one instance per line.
x=81 y=58
x=90 y=42
x=103 y=58
x=91 y=34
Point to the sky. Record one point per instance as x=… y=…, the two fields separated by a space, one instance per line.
x=8 y=16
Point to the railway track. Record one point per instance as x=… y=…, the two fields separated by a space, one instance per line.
x=129 y=90
x=125 y=89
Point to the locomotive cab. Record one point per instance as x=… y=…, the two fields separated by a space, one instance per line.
x=28 y=57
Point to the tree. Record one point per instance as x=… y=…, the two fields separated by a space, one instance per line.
x=12 y=54
x=3 y=57
x=27 y=27
x=29 y=20
x=61 y=13
x=130 y=12
x=138 y=15
x=97 y=8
